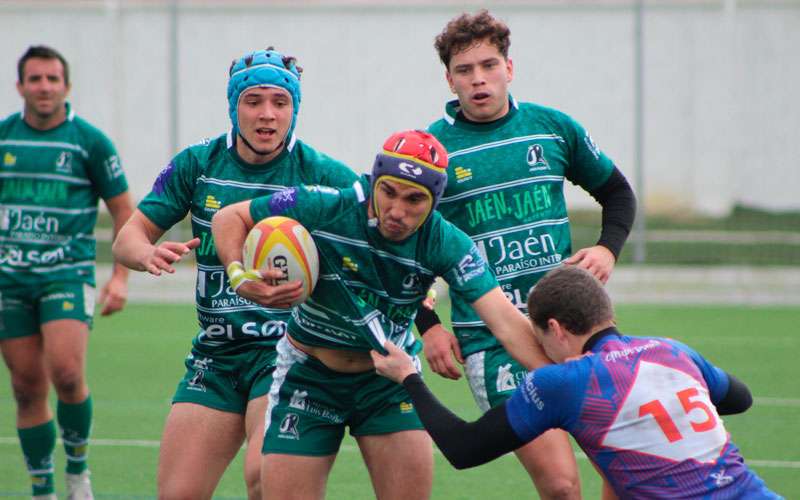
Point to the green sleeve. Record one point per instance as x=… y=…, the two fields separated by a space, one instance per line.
x=170 y=199
x=105 y=168
x=459 y=262
x=588 y=167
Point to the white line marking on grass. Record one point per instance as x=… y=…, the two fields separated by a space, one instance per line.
x=149 y=443
x=783 y=402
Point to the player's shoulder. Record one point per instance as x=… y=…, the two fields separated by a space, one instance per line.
x=531 y=110
x=311 y=159
x=204 y=150
x=10 y=120
x=88 y=133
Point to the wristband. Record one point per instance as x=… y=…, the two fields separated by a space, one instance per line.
x=425 y=319
x=238 y=276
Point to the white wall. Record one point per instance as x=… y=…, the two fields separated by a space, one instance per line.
x=722 y=111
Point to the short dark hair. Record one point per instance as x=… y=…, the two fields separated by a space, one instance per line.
x=41 y=52
x=573 y=297
x=468 y=30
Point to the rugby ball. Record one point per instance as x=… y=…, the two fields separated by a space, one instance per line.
x=283 y=243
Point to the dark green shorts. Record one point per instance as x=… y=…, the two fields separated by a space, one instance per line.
x=24 y=309
x=493 y=376
x=310 y=406
x=226 y=382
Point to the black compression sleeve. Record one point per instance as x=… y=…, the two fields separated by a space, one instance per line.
x=737 y=400
x=619 y=209
x=464 y=444
x=426 y=319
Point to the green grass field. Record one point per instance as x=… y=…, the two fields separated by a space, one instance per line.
x=135 y=360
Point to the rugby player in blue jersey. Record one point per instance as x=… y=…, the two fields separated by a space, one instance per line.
x=645 y=410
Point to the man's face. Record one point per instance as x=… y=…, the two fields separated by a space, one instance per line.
x=43 y=87
x=480 y=76
x=265 y=115
x=401 y=208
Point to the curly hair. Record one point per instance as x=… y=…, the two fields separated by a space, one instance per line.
x=467 y=30
x=573 y=297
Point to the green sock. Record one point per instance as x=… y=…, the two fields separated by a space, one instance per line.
x=37 y=447
x=75 y=421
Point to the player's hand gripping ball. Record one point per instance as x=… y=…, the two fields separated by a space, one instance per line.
x=283 y=243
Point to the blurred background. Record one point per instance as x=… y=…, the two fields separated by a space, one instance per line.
x=696 y=100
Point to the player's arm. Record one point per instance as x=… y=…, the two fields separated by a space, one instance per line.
x=440 y=346
x=114 y=294
x=738 y=398
x=464 y=444
x=511 y=328
x=135 y=246
x=229 y=228
x=618 y=203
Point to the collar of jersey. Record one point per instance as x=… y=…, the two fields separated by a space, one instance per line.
x=259 y=167
x=596 y=341
x=455 y=118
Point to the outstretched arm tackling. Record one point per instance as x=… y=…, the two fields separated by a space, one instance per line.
x=464 y=444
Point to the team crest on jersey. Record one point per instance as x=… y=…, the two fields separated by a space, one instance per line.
x=9 y=160
x=411 y=282
x=64 y=163
x=212 y=204
x=592 y=146
x=288 y=427
x=536 y=158
x=463 y=174
x=113 y=167
x=406 y=407
x=298 y=399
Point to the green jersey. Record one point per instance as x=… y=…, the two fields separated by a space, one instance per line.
x=370 y=288
x=202 y=179
x=505 y=189
x=50 y=183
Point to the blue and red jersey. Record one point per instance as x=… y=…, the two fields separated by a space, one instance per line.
x=643 y=410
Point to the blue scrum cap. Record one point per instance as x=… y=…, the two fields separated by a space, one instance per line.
x=263 y=68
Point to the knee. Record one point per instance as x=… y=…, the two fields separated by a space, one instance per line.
x=560 y=488
x=68 y=380
x=252 y=478
x=29 y=390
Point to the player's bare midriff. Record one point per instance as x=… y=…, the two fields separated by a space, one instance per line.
x=336 y=359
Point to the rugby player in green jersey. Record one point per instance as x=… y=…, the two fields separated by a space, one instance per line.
x=380 y=244
x=220 y=401
x=509 y=161
x=54 y=167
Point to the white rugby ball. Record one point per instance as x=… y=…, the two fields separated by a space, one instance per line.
x=283 y=243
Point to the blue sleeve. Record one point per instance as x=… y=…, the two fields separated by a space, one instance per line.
x=716 y=379
x=539 y=403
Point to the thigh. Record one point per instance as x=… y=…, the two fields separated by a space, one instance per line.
x=400 y=464
x=294 y=477
x=254 y=430
x=550 y=462
x=197 y=445
x=29 y=381
x=65 y=343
